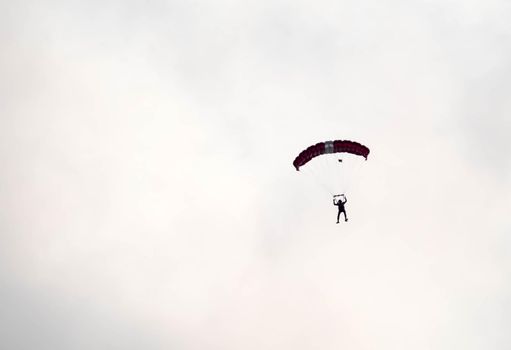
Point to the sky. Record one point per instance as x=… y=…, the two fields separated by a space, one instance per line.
x=148 y=198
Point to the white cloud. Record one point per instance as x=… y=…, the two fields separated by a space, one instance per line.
x=147 y=173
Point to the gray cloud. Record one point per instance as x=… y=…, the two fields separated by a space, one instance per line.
x=36 y=318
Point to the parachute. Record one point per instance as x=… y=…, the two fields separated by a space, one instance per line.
x=330 y=147
x=333 y=164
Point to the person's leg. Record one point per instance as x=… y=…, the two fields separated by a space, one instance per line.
x=338 y=215
x=345 y=217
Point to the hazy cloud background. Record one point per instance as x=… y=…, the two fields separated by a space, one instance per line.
x=148 y=199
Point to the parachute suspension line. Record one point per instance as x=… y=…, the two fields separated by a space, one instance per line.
x=344 y=173
x=320 y=179
x=318 y=169
x=339 y=173
x=333 y=171
x=323 y=169
x=329 y=171
x=312 y=172
x=342 y=168
x=334 y=176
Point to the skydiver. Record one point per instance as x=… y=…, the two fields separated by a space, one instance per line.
x=340 y=206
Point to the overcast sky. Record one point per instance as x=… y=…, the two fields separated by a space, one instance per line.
x=147 y=195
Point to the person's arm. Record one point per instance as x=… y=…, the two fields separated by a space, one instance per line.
x=345 y=200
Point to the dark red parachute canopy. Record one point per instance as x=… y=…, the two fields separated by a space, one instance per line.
x=330 y=147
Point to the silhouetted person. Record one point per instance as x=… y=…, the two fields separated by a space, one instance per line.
x=340 y=206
